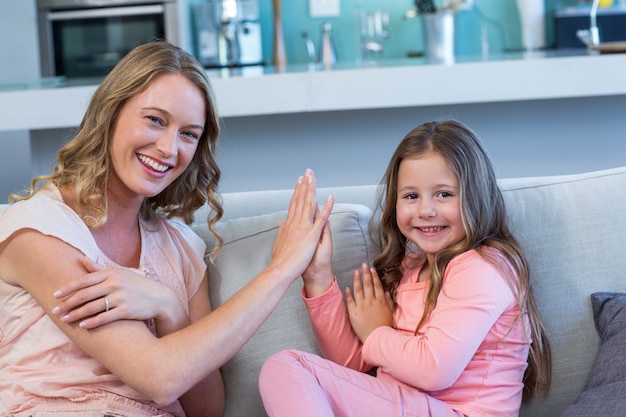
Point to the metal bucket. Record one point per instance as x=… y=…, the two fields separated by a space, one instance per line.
x=439 y=37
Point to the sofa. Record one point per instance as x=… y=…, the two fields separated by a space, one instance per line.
x=571 y=227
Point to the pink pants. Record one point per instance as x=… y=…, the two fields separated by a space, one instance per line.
x=294 y=383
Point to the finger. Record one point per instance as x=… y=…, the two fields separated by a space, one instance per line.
x=368 y=286
x=80 y=283
x=324 y=214
x=328 y=204
x=379 y=290
x=308 y=208
x=84 y=281
x=91 y=265
x=92 y=308
x=299 y=200
x=327 y=235
x=350 y=303
x=100 y=319
x=357 y=287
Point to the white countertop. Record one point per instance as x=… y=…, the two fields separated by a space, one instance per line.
x=405 y=83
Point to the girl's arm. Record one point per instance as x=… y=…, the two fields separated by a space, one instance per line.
x=329 y=318
x=333 y=332
x=473 y=297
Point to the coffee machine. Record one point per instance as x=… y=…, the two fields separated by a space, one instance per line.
x=228 y=33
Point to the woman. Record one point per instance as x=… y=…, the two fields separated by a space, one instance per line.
x=104 y=294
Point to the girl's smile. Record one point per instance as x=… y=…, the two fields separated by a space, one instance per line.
x=428 y=209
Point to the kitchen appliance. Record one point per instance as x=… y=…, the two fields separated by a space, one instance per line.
x=228 y=33
x=610 y=25
x=87 y=38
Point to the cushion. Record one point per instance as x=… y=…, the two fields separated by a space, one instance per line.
x=575 y=247
x=605 y=392
x=247 y=250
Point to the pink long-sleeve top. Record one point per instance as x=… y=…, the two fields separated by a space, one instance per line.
x=471 y=352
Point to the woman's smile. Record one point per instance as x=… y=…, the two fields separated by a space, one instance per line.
x=153 y=164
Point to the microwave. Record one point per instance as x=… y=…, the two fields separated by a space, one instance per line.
x=87 y=38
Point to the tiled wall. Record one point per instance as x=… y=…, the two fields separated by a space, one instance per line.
x=498 y=20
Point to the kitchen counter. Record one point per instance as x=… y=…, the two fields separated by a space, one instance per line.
x=389 y=84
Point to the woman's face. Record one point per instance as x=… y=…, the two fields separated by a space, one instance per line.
x=428 y=204
x=155 y=137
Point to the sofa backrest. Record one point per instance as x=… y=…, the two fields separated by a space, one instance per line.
x=571 y=228
x=572 y=231
x=246 y=251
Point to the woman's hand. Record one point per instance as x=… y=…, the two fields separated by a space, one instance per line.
x=300 y=234
x=104 y=295
x=371 y=306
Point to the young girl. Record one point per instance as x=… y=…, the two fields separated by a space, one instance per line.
x=451 y=327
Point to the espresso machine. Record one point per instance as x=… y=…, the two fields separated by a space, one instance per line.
x=228 y=33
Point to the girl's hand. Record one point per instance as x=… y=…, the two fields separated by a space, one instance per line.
x=318 y=276
x=371 y=306
x=300 y=233
x=126 y=294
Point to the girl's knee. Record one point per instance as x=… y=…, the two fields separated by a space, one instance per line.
x=276 y=364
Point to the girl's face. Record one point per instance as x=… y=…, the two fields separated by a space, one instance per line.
x=155 y=137
x=428 y=204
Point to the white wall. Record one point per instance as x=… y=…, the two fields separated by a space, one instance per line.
x=547 y=137
x=528 y=138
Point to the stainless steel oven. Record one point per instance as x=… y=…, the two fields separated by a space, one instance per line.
x=86 y=38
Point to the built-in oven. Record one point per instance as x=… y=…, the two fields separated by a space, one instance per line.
x=86 y=38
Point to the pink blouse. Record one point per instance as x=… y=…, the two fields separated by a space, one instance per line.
x=471 y=352
x=41 y=369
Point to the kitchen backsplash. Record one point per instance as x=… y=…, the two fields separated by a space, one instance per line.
x=490 y=26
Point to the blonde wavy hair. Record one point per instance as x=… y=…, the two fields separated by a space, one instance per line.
x=85 y=161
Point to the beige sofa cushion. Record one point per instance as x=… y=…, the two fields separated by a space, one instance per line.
x=247 y=250
x=572 y=230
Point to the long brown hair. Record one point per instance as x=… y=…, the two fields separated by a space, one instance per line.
x=484 y=219
x=84 y=162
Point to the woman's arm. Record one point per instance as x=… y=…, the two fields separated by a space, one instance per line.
x=127 y=348
x=206 y=398
x=135 y=297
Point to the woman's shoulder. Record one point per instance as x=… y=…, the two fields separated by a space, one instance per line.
x=45 y=207
x=46 y=213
